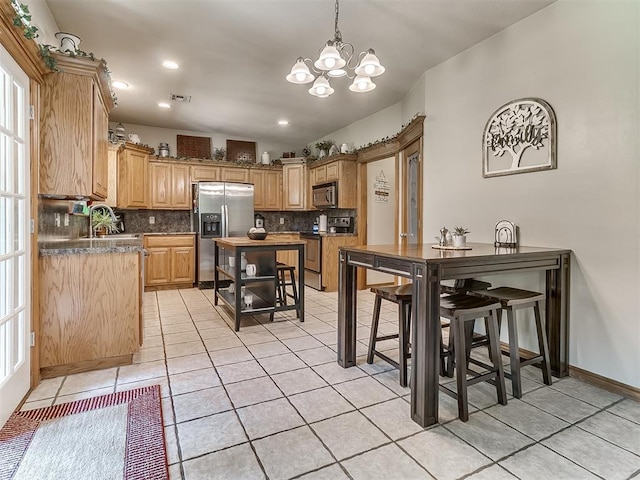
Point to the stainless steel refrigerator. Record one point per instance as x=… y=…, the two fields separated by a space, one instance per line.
x=220 y=209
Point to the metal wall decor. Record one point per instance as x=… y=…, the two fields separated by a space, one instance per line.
x=506 y=234
x=519 y=137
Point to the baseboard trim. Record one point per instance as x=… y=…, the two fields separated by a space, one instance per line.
x=605 y=383
x=173 y=286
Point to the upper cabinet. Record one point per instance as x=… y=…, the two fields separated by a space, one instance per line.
x=267 y=189
x=342 y=170
x=204 y=173
x=74 y=129
x=133 y=167
x=169 y=186
x=232 y=174
x=294 y=186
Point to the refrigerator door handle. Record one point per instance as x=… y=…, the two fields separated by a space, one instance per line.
x=225 y=214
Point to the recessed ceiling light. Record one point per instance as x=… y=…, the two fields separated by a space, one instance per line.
x=164 y=105
x=283 y=122
x=120 y=85
x=170 y=65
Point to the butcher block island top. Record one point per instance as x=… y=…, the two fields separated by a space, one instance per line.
x=234 y=242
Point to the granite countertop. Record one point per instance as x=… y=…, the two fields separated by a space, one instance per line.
x=168 y=233
x=320 y=234
x=89 y=246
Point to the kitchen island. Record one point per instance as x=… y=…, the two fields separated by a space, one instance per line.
x=90 y=303
x=234 y=286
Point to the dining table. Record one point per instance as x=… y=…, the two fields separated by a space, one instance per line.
x=427 y=267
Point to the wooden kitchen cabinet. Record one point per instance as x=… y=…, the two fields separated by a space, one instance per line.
x=342 y=170
x=75 y=105
x=267 y=189
x=112 y=182
x=294 y=187
x=169 y=186
x=205 y=173
x=133 y=168
x=230 y=174
x=170 y=261
x=330 y=264
x=89 y=311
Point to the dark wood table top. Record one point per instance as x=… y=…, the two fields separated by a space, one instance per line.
x=425 y=252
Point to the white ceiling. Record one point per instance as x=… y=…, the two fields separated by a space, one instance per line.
x=234 y=55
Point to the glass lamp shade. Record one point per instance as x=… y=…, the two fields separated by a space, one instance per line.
x=370 y=65
x=362 y=84
x=338 y=72
x=330 y=58
x=300 y=73
x=321 y=88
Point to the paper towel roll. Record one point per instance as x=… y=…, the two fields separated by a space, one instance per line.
x=322 y=223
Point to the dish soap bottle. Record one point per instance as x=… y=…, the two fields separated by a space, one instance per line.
x=315 y=226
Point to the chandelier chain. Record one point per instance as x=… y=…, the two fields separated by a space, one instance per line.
x=338 y=35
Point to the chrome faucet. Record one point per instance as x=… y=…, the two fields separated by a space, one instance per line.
x=92 y=208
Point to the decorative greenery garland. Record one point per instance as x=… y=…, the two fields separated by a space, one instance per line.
x=386 y=139
x=23 y=20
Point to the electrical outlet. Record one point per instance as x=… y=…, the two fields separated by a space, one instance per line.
x=66 y=219
x=281 y=220
x=152 y=220
x=56 y=219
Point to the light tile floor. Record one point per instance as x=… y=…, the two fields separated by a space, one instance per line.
x=271 y=402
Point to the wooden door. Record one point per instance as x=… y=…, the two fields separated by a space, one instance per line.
x=100 y=176
x=182 y=265
x=411 y=217
x=160 y=185
x=257 y=178
x=180 y=187
x=235 y=175
x=294 y=187
x=158 y=267
x=332 y=171
x=319 y=175
x=272 y=187
x=132 y=179
x=200 y=173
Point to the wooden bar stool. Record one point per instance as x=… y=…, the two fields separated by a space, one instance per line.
x=402 y=296
x=512 y=299
x=281 y=286
x=462 y=310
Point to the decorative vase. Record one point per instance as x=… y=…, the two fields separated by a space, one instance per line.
x=68 y=41
x=266 y=159
x=322 y=153
x=459 y=241
x=243 y=262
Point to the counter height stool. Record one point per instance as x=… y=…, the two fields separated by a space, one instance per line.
x=281 y=286
x=402 y=296
x=462 y=310
x=512 y=299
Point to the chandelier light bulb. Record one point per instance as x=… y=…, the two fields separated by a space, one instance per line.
x=321 y=88
x=362 y=84
x=300 y=73
x=329 y=58
x=369 y=69
x=370 y=65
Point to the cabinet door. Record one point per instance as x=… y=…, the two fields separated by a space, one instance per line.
x=112 y=169
x=332 y=170
x=257 y=177
x=235 y=175
x=204 y=173
x=132 y=179
x=294 y=187
x=160 y=185
x=319 y=175
x=158 y=267
x=183 y=265
x=181 y=187
x=272 y=188
x=100 y=145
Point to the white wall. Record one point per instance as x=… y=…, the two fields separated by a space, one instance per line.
x=153 y=136
x=582 y=58
x=41 y=17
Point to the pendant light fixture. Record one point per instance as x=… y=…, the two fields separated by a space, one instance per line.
x=337 y=59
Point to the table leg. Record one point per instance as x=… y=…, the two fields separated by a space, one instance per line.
x=425 y=344
x=301 y=282
x=557 y=316
x=216 y=275
x=347 y=302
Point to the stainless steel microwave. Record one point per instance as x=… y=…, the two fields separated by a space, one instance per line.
x=325 y=195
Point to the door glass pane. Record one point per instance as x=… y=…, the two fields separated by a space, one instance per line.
x=20 y=168
x=18 y=111
x=6 y=204
x=6 y=163
x=5 y=82
x=6 y=281
x=413 y=193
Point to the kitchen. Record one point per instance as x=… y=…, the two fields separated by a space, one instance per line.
x=563 y=211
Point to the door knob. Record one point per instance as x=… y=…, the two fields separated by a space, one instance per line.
x=403 y=235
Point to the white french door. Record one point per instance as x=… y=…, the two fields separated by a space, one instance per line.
x=15 y=264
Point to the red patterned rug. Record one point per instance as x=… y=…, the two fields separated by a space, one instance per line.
x=108 y=437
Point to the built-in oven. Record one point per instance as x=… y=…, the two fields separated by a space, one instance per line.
x=325 y=195
x=312 y=260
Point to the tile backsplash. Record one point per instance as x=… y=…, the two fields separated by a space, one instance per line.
x=165 y=221
x=300 y=221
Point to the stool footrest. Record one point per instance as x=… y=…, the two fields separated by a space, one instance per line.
x=387 y=337
x=386 y=358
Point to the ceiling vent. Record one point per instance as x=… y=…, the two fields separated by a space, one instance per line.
x=181 y=98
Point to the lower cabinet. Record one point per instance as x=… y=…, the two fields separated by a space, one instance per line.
x=170 y=261
x=89 y=311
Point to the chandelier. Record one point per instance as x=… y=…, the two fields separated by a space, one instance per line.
x=337 y=59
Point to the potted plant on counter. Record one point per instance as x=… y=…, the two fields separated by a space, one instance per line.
x=102 y=223
x=460 y=237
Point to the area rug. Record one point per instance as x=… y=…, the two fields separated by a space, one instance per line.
x=116 y=436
